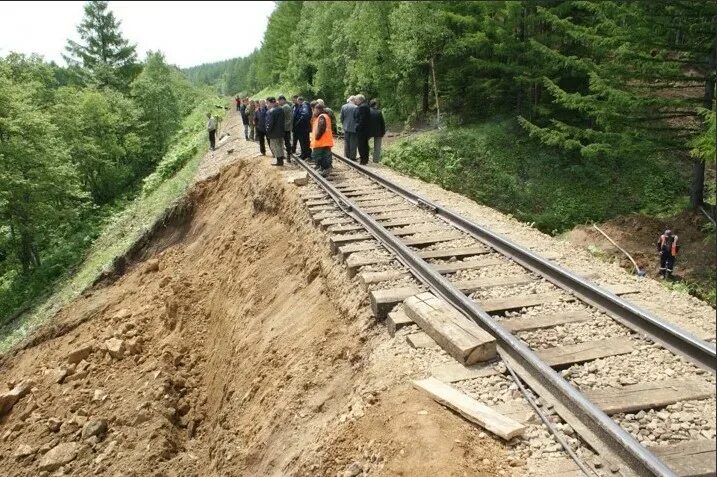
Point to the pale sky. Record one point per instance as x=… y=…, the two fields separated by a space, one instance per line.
x=189 y=33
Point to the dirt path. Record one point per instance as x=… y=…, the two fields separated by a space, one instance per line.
x=233 y=345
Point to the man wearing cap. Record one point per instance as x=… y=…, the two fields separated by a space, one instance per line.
x=667 y=247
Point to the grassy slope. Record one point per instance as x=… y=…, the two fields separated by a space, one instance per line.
x=496 y=164
x=174 y=174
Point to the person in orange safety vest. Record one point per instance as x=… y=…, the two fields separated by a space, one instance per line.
x=667 y=247
x=321 y=140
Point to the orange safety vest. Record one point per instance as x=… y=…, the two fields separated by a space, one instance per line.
x=327 y=139
x=673 y=250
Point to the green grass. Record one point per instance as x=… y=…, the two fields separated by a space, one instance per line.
x=161 y=190
x=497 y=164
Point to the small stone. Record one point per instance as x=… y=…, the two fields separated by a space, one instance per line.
x=422 y=412
x=54 y=424
x=353 y=470
x=59 y=455
x=95 y=427
x=123 y=314
x=23 y=450
x=152 y=266
x=9 y=398
x=99 y=395
x=115 y=347
x=83 y=352
x=56 y=376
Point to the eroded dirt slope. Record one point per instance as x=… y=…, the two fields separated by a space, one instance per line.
x=234 y=345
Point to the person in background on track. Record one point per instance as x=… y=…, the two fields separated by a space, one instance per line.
x=321 y=140
x=377 y=129
x=667 y=247
x=294 y=136
x=275 y=130
x=288 y=123
x=250 y=110
x=212 y=125
x=348 y=123
x=363 y=123
x=238 y=101
x=302 y=126
x=330 y=112
x=245 y=117
x=260 y=125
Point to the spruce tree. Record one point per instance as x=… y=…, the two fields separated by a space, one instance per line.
x=108 y=59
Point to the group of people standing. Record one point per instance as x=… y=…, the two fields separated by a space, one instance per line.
x=312 y=127
x=362 y=121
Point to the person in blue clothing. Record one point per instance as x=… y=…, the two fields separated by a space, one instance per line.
x=302 y=127
x=260 y=125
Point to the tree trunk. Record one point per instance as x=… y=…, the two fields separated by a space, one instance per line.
x=426 y=90
x=435 y=90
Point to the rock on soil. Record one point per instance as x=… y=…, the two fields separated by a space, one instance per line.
x=59 y=455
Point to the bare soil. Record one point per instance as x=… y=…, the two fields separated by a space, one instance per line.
x=233 y=344
x=638 y=235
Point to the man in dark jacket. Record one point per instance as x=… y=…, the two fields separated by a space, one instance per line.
x=302 y=126
x=288 y=124
x=275 y=130
x=245 y=117
x=260 y=125
x=363 y=120
x=377 y=129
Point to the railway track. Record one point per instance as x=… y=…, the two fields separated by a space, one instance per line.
x=400 y=244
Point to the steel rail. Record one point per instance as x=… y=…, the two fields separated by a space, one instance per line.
x=596 y=427
x=672 y=337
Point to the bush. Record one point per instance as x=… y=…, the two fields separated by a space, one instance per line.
x=496 y=164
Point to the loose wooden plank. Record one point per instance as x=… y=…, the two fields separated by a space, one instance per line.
x=471 y=409
x=461 y=338
x=357 y=260
x=315 y=202
x=344 y=219
x=561 y=356
x=514 y=325
x=346 y=250
x=519 y=410
x=431 y=239
x=368 y=278
x=454 y=252
x=453 y=267
x=397 y=320
x=326 y=215
x=376 y=202
x=454 y=372
x=401 y=213
x=336 y=241
x=382 y=195
x=382 y=301
x=501 y=305
x=421 y=340
x=651 y=395
x=694 y=458
x=402 y=219
x=469 y=286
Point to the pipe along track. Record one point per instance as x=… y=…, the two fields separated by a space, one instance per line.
x=596 y=428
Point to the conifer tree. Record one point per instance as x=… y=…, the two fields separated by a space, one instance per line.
x=107 y=58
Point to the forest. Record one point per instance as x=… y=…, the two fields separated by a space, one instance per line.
x=77 y=143
x=600 y=83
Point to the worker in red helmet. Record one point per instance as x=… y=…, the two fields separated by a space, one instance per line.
x=668 y=247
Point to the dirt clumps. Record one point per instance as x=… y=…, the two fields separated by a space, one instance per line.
x=238 y=347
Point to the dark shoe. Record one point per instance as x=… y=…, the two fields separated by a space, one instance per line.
x=363 y=163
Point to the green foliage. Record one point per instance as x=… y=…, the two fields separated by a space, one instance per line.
x=100 y=127
x=107 y=59
x=494 y=164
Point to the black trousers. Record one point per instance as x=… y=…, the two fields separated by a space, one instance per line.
x=287 y=143
x=294 y=141
x=667 y=263
x=260 y=136
x=212 y=138
x=363 y=147
x=304 y=143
